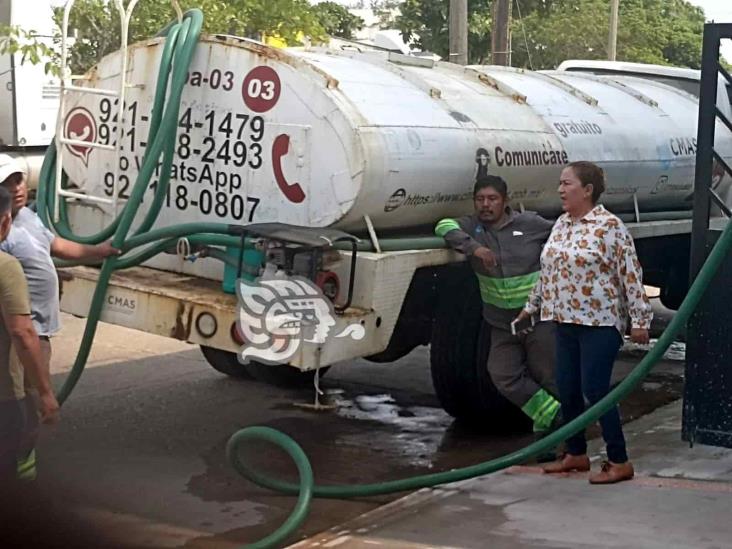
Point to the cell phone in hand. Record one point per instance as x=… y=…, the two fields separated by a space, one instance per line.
x=519 y=327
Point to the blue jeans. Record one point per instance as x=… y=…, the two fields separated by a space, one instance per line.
x=585 y=357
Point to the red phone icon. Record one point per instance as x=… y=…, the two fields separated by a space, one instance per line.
x=280 y=147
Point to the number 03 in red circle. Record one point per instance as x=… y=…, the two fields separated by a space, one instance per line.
x=261 y=89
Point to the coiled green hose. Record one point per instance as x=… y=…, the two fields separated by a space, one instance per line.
x=181 y=40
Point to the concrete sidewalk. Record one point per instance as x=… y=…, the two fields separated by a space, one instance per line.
x=680 y=497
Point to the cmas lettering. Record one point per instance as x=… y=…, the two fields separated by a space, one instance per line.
x=683 y=146
x=123 y=302
x=543 y=157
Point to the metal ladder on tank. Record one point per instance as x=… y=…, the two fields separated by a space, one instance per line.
x=67 y=85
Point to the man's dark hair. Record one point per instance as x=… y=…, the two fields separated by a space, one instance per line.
x=5 y=201
x=492 y=181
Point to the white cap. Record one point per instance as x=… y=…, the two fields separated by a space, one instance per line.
x=9 y=166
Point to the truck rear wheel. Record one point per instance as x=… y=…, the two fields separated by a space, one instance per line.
x=458 y=355
x=282 y=375
x=225 y=362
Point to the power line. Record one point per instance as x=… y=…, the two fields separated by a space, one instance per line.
x=523 y=30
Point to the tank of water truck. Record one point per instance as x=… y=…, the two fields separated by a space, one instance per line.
x=324 y=138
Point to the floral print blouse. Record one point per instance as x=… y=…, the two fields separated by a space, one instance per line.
x=590 y=274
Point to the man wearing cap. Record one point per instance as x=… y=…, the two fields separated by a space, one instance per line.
x=33 y=245
x=20 y=353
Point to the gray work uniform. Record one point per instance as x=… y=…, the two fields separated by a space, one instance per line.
x=522 y=365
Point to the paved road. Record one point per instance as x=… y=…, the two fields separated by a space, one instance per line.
x=139 y=455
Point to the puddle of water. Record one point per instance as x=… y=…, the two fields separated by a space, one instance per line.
x=384 y=409
x=676 y=351
x=429 y=423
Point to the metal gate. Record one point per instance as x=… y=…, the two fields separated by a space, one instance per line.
x=707 y=415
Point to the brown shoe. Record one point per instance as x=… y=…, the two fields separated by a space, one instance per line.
x=613 y=472
x=568 y=463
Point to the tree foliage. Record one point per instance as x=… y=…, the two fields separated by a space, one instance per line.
x=666 y=32
x=97 y=26
x=546 y=32
x=28 y=45
x=424 y=24
x=337 y=20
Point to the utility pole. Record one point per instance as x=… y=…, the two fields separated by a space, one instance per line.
x=501 y=33
x=458 y=28
x=612 y=42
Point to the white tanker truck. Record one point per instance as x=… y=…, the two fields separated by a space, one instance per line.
x=380 y=145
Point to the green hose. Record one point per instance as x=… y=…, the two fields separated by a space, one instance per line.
x=181 y=40
x=180 y=46
x=305 y=489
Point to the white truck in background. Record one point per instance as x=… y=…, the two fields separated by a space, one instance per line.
x=381 y=145
x=29 y=97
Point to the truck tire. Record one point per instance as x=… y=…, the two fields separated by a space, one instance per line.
x=225 y=362
x=282 y=375
x=458 y=355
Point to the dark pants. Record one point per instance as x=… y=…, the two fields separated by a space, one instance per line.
x=585 y=357
x=11 y=432
x=521 y=365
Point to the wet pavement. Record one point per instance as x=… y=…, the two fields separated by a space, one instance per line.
x=679 y=498
x=139 y=455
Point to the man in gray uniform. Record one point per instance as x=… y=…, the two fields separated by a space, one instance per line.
x=504 y=248
x=33 y=245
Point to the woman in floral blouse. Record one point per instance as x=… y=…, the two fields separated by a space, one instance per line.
x=590 y=285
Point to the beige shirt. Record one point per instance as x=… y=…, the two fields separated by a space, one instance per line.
x=13 y=301
x=590 y=275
